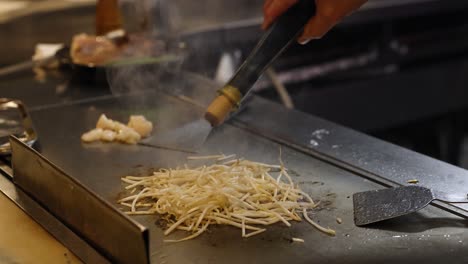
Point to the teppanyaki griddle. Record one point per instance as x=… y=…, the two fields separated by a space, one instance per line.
x=421 y=236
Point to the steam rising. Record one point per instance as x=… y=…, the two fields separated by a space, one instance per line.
x=148 y=73
x=153 y=41
x=131 y=79
x=156 y=89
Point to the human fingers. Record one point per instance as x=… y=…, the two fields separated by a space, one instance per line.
x=273 y=9
x=329 y=13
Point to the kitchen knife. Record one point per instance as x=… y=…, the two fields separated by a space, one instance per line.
x=191 y=135
x=273 y=43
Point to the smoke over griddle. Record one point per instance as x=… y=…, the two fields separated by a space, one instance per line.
x=153 y=49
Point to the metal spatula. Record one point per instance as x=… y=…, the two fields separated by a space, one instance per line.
x=378 y=205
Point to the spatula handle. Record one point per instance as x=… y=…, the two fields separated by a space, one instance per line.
x=450 y=198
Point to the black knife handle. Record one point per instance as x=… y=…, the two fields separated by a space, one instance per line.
x=273 y=43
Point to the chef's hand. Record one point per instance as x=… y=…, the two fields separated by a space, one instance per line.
x=329 y=12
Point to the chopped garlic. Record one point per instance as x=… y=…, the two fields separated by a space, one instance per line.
x=128 y=135
x=109 y=130
x=140 y=125
x=108 y=135
x=92 y=135
x=109 y=124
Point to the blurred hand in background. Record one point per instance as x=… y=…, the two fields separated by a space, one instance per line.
x=329 y=13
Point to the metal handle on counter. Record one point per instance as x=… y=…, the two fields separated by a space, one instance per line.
x=28 y=136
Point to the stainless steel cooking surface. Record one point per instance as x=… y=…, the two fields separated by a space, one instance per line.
x=367 y=156
x=431 y=234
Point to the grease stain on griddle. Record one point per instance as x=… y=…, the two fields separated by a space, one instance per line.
x=294 y=173
x=311 y=183
x=325 y=205
x=121 y=195
x=278 y=233
x=138 y=170
x=326 y=202
x=161 y=221
x=213 y=244
x=219 y=236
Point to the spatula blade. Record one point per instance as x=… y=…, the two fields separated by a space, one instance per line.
x=378 y=205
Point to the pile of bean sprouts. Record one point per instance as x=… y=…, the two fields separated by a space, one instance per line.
x=229 y=191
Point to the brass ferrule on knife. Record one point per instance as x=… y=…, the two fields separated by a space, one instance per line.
x=232 y=93
x=228 y=100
